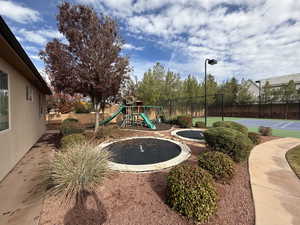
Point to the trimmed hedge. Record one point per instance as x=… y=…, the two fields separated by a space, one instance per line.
x=71 y=127
x=200 y=124
x=265 y=131
x=191 y=192
x=229 y=141
x=233 y=125
x=185 y=121
x=72 y=139
x=254 y=137
x=218 y=164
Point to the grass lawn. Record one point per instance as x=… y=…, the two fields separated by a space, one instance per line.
x=275 y=132
x=293 y=157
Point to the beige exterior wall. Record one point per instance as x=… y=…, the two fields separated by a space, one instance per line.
x=26 y=125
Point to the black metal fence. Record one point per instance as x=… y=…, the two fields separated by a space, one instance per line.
x=289 y=109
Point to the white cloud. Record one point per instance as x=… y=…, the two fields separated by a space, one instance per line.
x=250 y=38
x=18 y=12
x=132 y=47
x=39 y=37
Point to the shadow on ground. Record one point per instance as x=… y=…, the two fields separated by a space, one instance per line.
x=81 y=213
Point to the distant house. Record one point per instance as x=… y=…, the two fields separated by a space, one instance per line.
x=22 y=101
x=275 y=82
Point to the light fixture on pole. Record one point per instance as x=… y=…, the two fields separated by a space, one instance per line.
x=210 y=62
x=259 y=96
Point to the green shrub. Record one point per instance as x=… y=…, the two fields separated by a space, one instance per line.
x=229 y=141
x=254 y=137
x=81 y=107
x=232 y=125
x=218 y=164
x=185 y=121
x=81 y=168
x=191 y=192
x=70 y=127
x=70 y=120
x=200 y=124
x=265 y=131
x=72 y=139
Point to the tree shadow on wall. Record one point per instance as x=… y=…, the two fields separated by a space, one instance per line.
x=86 y=211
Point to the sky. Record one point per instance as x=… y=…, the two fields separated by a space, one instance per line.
x=251 y=39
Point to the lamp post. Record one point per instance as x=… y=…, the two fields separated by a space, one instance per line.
x=210 y=62
x=259 y=96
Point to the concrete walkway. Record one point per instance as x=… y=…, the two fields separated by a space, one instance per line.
x=20 y=198
x=275 y=187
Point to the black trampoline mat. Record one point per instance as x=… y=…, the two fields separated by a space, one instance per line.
x=142 y=151
x=193 y=134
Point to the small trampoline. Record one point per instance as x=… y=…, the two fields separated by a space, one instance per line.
x=190 y=134
x=145 y=153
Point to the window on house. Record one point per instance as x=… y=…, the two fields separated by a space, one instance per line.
x=29 y=93
x=4 y=104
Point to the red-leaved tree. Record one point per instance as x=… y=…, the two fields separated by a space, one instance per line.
x=89 y=61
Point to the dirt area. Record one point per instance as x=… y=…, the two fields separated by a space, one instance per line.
x=139 y=198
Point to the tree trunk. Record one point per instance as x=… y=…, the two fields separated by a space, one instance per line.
x=97 y=117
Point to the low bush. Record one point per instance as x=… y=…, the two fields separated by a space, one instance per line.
x=72 y=139
x=191 y=192
x=79 y=169
x=233 y=125
x=185 y=121
x=229 y=141
x=81 y=107
x=200 y=124
x=71 y=127
x=218 y=164
x=70 y=120
x=265 y=131
x=254 y=137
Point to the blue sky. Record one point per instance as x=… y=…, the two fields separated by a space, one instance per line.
x=250 y=38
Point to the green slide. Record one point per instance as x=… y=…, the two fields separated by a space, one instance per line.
x=112 y=116
x=147 y=121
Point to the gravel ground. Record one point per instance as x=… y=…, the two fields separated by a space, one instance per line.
x=139 y=198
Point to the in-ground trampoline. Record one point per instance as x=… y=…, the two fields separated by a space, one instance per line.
x=189 y=134
x=141 y=154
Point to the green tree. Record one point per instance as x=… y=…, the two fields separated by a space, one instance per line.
x=150 y=87
x=212 y=89
x=243 y=95
x=289 y=92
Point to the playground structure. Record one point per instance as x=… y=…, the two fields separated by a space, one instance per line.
x=137 y=114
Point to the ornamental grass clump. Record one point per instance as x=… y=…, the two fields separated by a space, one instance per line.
x=82 y=167
x=72 y=139
x=265 y=131
x=191 y=192
x=229 y=141
x=233 y=125
x=218 y=164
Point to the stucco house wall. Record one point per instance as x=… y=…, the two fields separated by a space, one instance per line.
x=26 y=122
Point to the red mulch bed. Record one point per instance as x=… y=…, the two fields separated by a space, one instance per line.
x=139 y=199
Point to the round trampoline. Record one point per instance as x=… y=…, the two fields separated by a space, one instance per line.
x=145 y=153
x=189 y=134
